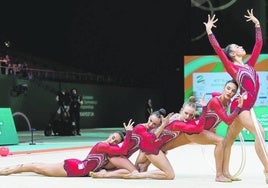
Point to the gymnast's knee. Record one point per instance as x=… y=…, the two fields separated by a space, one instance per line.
x=170 y=176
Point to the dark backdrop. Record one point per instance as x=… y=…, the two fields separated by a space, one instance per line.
x=141 y=40
x=103 y=106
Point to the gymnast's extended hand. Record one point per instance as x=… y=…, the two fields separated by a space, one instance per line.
x=166 y=120
x=210 y=23
x=251 y=17
x=202 y=101
x=241 y=99
x=129 y=126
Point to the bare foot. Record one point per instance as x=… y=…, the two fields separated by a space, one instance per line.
x=91 y=174
x=233 y=178
x=9 y=170
x=266 y=177
x=99 y=174
x=223 y=179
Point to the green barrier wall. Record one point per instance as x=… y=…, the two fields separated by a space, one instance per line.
x=104 y=106
x=8 y=133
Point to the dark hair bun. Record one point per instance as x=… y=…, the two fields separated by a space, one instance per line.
x=122 y=134
x=162 y=111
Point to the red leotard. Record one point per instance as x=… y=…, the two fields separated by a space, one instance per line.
x=97 y=158
x=192 y=126
x=78 y=168
x=216 y=113
x=147 y=139
x=152 y=145
x=245 y=76
x=134 y=145
x=149 y=144
x=165 y=137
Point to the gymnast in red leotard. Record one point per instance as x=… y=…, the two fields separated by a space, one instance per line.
x=151 y=145
x=215 y=113
x=119 y=165
x=147 y=132
x=248 y=80
x=96 y=159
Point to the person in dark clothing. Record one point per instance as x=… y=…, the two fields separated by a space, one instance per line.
x=63 y=102
x=148 y=109
x=75 y=103
x=4 y=64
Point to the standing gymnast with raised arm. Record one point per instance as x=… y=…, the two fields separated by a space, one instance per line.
x=248 y=80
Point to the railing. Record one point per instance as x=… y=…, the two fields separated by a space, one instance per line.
x=44 y=74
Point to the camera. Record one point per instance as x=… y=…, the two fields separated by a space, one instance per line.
x=19 y=89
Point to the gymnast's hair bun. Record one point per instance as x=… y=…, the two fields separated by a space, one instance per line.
x=162 y=111
x=122 y=134
x=192 y=99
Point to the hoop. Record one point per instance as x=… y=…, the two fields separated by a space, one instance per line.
x=243 y=158
x=257 y=127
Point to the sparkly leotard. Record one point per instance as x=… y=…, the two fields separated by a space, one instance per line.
x=133 y=145
x=152 y=145
x=97 y=158
x=149 y=143
x=216 y=113
x=245 y=76
x=192 y=126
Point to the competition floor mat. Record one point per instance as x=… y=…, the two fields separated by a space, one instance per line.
x=193 y=164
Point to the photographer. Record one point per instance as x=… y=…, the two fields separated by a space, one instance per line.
x=63 y=102
x=76 y=102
